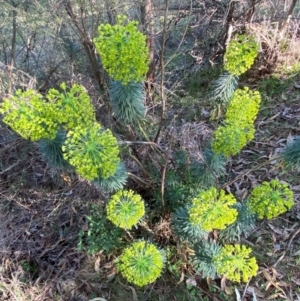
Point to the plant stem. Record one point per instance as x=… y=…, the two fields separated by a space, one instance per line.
x=162 y=66
x=128 y=233
x=163 y=176
x=139 y=179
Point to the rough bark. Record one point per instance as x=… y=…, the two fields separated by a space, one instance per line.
x=285 y=21
x=87 y=44
x=147 y=18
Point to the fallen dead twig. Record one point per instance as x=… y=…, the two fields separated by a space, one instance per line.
x=287 y=249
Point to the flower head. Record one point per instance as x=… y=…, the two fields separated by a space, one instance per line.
x=141 y=263
x=243 y=107
x=211 y=209
x=230 y=139
x=123 y=50
x=72 y=107
x=271 y=199
x=28 y=114
x=125 y=209
x=240 y=54
x=239 y=123
x=235 y=263
x=93 y=151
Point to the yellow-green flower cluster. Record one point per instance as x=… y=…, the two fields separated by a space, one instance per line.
x=71 y=107
x=125 y=209
x=93 y=152
x=243 y=107
x=240 y=54
x=235 y=263
x=28 y=114
x=123 y=51
x=211 y=209
x=239 y=123
x=271 y=199
x=229 y=140
x=141 y=263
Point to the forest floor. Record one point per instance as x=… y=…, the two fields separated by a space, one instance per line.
x=42 y=212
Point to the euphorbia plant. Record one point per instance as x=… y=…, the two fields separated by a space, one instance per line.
x=205 y=218
x=124 y=54
x=239 y=57
x=65 y=126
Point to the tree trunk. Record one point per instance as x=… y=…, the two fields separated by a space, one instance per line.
x=228 y=23
x=88 y=46
x=13 y=44
x=288 y=15
x=250 y=11
x=147 y=20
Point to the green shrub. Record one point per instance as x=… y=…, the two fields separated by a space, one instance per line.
x=101 y=235
x=64 y=123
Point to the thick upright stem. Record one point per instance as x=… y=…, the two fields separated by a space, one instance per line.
x=288 y=15
x=149 y=29
x=228 y=24
x=14 y=34
x=162 y=65
x=111 y=11
x=250 y=12
x=162 y=68
x=87 y=44
x=13 y=43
